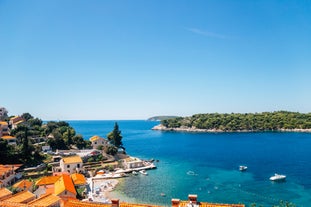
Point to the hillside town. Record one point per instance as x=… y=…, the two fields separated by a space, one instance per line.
x=67 y=177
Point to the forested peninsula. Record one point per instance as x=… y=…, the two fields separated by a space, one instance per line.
x=239 y=122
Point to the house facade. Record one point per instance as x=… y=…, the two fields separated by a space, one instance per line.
x=98 y=141
x=4 y=128
x=7 y=175
x=132 y=162
x=72 y=164
x=64 y=188
x=15 y=121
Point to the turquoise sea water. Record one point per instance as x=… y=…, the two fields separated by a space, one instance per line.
x=206 y=164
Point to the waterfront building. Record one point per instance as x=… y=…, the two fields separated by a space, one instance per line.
x=132 y=162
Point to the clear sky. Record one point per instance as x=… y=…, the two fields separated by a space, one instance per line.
x=134 y=59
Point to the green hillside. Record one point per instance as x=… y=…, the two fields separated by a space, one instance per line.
x=266 y=121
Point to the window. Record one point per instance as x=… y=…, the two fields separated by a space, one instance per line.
x=78 y=165
x=68 y=166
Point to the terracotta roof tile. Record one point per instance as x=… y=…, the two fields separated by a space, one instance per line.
x=8 y=137
x=72 y=159
x=47 y=180
x=64 y=183
x=21 y=197
x=23 y=184
x=44 y=201
x=78 y=179
x=4 y=193
x=12 y=204
x=77 y=203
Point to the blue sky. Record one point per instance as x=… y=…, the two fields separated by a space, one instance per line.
x=113 y=59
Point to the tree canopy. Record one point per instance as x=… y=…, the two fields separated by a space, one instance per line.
x=266 y=121
x=60 y=135
x=115 y=136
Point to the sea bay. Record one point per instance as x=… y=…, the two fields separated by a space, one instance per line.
x=206 y=164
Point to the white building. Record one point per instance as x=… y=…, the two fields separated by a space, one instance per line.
x=71 y=164
x=98 y=141
x=132 y=162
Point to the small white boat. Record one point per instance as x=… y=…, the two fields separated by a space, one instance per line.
x=135 y=172
x=277 y=177
x=143 y=172
x=242 y=168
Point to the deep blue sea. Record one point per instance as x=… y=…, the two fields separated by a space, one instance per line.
x=213 y=159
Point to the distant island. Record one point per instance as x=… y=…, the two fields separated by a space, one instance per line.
x=239 y=122
x=161 y=118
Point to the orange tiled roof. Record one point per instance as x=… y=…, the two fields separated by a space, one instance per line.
x=78 y=179
x=94 y=138
x=64 y=183
x=205 y=204
x=3 y=123
x=123 y=204
x=77 y=203
x=72 y=159
x=47 y=180
x=8 y=137
x=17 y=119
x=12 y=204
x=4 y=169
x=23 y=184
x=4 y=192
x=44 y=201
x=21 y=197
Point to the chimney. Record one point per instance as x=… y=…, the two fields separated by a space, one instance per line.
x=175 y=202
x=193 y=198
x=115 y=202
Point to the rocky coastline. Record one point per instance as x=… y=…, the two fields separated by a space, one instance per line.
x=161 y=127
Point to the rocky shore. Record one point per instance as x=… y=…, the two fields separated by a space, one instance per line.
x=161 y=127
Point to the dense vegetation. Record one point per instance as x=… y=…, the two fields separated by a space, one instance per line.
x=32 y=134
x=265 y=121
x=160 y=118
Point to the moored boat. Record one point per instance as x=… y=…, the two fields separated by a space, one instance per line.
x=143 y=172
x=277 y=177
x=242 y=168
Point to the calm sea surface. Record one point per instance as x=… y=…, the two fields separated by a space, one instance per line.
x=206 y=164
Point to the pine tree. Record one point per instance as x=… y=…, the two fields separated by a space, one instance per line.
x=115 y=136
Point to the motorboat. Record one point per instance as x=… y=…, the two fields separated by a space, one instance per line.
x=134 y=172
x=277 y=177
x=143 y=172
x=242 y=168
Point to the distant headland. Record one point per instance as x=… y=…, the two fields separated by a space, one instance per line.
x=160 y=118
x=283 y=121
